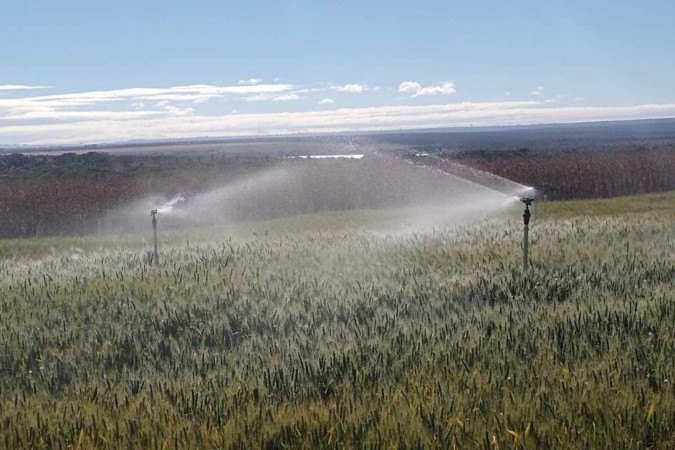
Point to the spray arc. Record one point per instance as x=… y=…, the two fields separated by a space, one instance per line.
x=432 y=195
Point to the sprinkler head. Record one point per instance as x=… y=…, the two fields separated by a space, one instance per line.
x=526 y=214
x=153 y=212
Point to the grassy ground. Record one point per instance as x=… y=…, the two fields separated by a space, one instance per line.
x=660 y=204
x=314 y=332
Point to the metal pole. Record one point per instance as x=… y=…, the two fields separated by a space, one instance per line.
x=526 y=232
x=525 y=247
x=155 y=255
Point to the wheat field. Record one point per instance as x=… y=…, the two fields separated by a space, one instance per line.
x=328 y=331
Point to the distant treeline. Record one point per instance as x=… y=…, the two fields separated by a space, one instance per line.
x=75 y=194
x=70 y=194
x=23 y=165
x=79 y=202
x=563 y=176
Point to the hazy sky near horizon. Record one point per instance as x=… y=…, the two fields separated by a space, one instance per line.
x=79 y=72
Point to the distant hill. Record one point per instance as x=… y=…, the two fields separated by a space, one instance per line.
x=587 y=136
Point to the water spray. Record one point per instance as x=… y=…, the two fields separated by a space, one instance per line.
x=155 y=254
x=526 y=229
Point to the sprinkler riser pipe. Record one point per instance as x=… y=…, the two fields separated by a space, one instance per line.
x=526 y=231
x=526 y=246
x=155 y=254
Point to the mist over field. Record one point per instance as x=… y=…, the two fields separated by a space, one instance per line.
x=337 y=225
x=431 y=197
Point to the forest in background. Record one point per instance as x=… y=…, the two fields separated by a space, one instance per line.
x=67 y=194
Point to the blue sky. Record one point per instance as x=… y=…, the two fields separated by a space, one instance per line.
x=77 y=72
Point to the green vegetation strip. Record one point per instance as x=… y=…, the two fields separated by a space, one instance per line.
x=349 y=338
x=662 y=204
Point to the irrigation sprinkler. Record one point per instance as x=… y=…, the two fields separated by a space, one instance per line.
x=155 y=254
x=526 y=230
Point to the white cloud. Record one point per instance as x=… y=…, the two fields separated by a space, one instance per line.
x=198 y=93
x=96 y=126
x=258 y=98
x=409 y=86
x=538 y=91
x=18 y=87
x=70 y=117
x=251 y=81
x=286 y=98
x=176 y=93
x=179 y=111
x=307 y=90
x=417 y=90
x=352 y=88
x=326 y=101
x=273 y=98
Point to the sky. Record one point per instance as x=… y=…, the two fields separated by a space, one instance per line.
x=77 y=72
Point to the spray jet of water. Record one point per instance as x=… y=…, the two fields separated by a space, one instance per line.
x=511 y=190
x=479 y=177
x=169 y=206
x=426 y=196
x=166 y=208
